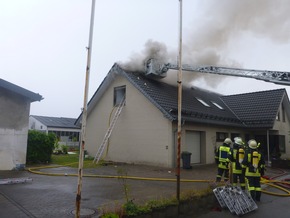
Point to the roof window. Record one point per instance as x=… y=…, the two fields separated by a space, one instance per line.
x=203 y=102
x=217 y=105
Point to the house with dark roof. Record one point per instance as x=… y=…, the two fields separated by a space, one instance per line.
x=64 y=128
x=146 y=130
x=14 y=117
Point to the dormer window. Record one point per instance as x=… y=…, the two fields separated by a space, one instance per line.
x=217 y=105
x=202 y=101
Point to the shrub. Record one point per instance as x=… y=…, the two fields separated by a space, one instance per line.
x=39 y=147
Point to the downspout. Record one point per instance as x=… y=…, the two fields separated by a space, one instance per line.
x=268 y=149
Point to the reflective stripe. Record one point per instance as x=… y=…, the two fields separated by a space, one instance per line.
x=251 y=188
x=223 y=165
x=250 y=173
x=223 y=153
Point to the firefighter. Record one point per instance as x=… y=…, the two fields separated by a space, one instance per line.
x=236 y=156
x=221 y=158
x=255 y=165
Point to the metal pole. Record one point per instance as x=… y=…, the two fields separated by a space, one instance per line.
x=84 y=114
x=179 y=105
x=268 y=149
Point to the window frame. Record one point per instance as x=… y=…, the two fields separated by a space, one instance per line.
x=119 y=94
x=221 y=136
x=202 y=102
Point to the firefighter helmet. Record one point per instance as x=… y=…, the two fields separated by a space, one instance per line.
x=252 y=144
x=239 y=141
x=228 y=141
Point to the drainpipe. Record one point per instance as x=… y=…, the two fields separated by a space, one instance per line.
x=268 y=149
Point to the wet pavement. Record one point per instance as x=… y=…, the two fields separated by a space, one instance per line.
x=53 y=194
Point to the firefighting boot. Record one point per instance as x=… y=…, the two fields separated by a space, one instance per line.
x=253 y=194
x=258 y=196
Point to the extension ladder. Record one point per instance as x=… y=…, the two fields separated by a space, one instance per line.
x=238 y=202
x=109 y=131
x=14 y=180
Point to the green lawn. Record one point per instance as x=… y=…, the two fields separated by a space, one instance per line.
x=72 y=160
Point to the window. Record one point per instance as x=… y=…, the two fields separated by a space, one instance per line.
x=203 y=102
x=282 y=147
x=221 y=136
x=283 y=114
x=33 y=125
x=278 y=116
x=119 y=94
x=217 y=105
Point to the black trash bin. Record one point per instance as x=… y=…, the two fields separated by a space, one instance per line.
x=185 y=156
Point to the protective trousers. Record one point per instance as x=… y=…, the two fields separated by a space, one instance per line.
x=239 y=177
x=220 y=173
x=254 y=187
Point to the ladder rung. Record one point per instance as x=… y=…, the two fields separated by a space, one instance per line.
x=235 y=199
x=109 y=131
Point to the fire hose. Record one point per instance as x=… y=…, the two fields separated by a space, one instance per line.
x=269 y=182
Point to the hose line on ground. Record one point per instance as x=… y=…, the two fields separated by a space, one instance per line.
x=272 y=183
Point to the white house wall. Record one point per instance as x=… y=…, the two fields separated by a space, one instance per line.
x=14 y=113
x=208 y=139
x=141 y=135
x=284 y=129
x=36 y=124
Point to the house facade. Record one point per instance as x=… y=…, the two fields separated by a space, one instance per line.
x=146 y=130
x=14 y=115
x=64 y=128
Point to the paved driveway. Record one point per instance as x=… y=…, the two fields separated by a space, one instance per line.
x=54 y=196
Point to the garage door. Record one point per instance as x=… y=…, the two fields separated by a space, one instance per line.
x=192 y=144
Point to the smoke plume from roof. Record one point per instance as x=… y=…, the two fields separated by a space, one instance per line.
x=223 y=22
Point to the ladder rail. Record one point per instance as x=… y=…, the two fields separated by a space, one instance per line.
x=235 y=199
x=278 y=77
x=109 y=131
x=155 y=67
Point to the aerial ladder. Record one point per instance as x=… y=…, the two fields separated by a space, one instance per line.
x=155 y=68
x=236 y=200
x=109 y=131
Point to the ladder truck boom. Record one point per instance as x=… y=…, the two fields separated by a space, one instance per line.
x=157 y=69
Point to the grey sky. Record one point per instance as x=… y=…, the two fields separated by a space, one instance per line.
x=42 y=42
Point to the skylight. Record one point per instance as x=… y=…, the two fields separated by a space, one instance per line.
x=217 y=105
x=203 y=102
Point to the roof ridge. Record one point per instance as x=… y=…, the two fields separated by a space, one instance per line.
x=270 y=90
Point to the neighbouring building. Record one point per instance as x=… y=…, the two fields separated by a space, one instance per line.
x=64 y=128
x=146 y=130
x=14 y=118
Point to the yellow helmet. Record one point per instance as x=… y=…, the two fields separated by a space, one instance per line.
x=252 y=144
x=228 y=141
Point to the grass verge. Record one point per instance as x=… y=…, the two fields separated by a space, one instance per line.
x=72 y=160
